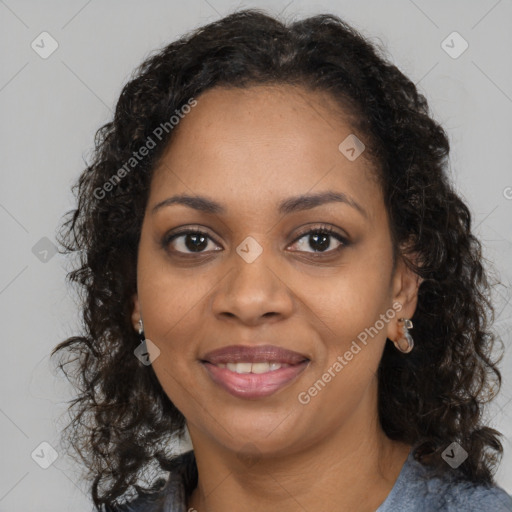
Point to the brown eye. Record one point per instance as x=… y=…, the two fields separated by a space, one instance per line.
x=321 y=240
x=189 y=242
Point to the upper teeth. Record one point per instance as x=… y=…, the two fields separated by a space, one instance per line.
x=262 y=367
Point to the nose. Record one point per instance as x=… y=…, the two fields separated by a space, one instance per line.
x=252 y=293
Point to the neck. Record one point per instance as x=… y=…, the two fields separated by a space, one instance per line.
x=355 y=467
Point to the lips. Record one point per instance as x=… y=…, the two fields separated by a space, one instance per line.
x=254 y=354
x=253 y=372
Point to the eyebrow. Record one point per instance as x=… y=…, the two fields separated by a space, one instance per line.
x=290 y=205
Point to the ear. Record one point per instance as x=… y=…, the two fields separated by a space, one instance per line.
x=405 y=286
x=135 y=312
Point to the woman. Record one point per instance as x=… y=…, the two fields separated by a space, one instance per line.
x=272 y=256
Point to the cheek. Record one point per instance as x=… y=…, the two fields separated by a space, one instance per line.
x=171 y=296
x=173 y=305
x=350 y=308
x=353 y=299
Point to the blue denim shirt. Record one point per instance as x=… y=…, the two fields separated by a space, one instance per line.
x=414 y=490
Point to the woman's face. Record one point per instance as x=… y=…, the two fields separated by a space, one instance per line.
x=255 y=277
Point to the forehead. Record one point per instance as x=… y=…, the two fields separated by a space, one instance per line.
x=282 y=140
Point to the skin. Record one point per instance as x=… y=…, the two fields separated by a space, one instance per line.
x=249 y=149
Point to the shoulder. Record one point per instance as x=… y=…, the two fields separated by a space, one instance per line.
x=418 y=489
x=472 y=497
x=171 y=494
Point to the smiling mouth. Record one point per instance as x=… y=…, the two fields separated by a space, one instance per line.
x=253 y=372
x=250 y=385
x=257 y=368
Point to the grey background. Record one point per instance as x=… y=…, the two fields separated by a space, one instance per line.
x=51 y=108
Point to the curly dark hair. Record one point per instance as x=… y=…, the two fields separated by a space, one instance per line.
x=122 y=420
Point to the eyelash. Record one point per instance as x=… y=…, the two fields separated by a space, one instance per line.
x=322 y=229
